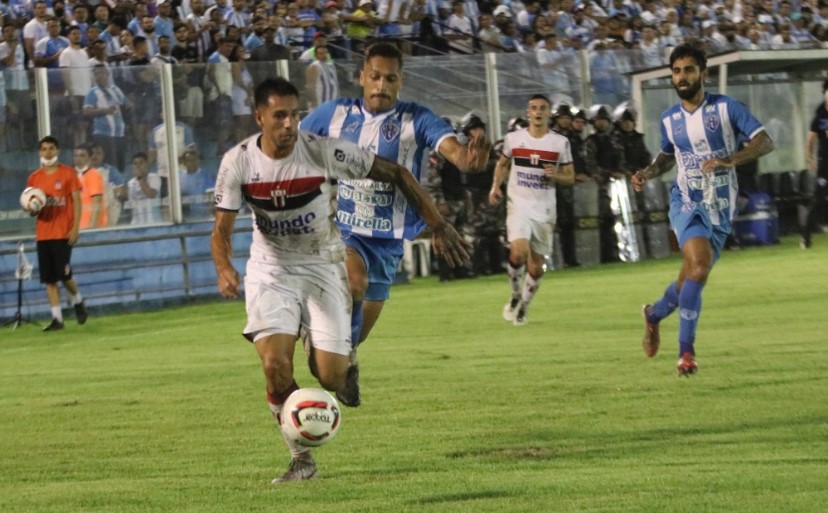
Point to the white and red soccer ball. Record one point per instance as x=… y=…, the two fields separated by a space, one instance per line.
x=310 y=417
x=32 y=200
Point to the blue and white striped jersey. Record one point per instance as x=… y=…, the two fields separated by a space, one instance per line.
x=402 y=135
x=714 y=130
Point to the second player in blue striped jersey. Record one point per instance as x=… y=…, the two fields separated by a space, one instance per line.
x=373 y=217
x=701 y=134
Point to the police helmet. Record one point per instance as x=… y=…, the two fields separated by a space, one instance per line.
x=561 y=109
x=599 y=111
x=471 y=121
x=579 y=113
x=516 y=124
x=624 y=112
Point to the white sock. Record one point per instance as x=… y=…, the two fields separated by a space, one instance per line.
x=530 y=288
x=57 y=313
x=296 y=450
x=77 y=298
x=515 y=278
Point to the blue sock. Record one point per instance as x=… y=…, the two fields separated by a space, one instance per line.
x=690 y=304
x=356 y=323
x=665 y=305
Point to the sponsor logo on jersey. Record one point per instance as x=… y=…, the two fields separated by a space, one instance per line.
x=339 y=155
x=284 y=195
x=534 y=158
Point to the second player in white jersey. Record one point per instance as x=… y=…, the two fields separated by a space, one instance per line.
x=531 y=192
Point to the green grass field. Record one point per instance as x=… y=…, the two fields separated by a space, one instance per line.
x=166 y=412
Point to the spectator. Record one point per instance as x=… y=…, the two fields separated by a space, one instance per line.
x=142 y=192
x=78 y=81
x=489 y=35
x=196 y=184
x=164 y=24
x=254 y=39
x=159 y=155
x=460 y=30
x=36 y=29
x=48 y=50
x=80 y=19
x=361 y=24
x=239 y=17
x=20 y=111
x=242 y=94
x=188 y=79
x=219 y=91
x=320 y=79
x=93 y=204
x=103 y=104
x=270 y=51
x=163 y=56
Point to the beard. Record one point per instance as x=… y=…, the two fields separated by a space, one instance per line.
x=690 y=92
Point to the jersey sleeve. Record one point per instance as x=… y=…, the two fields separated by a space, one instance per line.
x=318 y=121
x=506 y=151
x=228 y=191
x=742 y=119
x=344 y=159
x=666 y=144
x=430 y=129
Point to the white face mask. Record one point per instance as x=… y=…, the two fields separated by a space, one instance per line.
x=81 y=169
x=48 y=162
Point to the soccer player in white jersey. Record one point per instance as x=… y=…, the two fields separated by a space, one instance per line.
x=535 y=159
x=374 y=217
x=700 y=134
x=296 y=273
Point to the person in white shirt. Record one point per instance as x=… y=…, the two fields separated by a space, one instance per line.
x=460 y=30
x=536 y=159
x=77 y=76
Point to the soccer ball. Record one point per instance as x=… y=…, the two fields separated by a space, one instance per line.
x=32 y=200
x=310 y=417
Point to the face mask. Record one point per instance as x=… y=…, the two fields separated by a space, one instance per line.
x=81 y=169
x=48 y=162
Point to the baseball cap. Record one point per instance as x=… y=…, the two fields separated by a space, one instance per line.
x=502 y=9
x=365 y=2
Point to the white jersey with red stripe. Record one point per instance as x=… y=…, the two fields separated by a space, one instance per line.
x=293 y=199
x=530 y=192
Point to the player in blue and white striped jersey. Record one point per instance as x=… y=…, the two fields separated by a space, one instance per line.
x=374 y=217
x=701 y=135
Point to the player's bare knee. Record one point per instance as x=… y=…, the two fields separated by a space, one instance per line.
x=333 y=378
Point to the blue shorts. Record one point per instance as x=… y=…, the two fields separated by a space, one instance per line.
x=381 y=257
x=696 y=223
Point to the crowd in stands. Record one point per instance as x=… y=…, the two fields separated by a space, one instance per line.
x=196 y=29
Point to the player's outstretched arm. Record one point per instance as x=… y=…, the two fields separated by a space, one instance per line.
x=221 y=247
x=471 y=158
x=447 y=242
x=662 y=163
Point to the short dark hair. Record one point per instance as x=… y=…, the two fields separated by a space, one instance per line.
x=276 y=86
x=85 y=147
x=689 y=50
x=540 y=97
x=48 y=139
x=140 y=155
x=386 y=50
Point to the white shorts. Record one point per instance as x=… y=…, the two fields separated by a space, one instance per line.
x=538 y=233
x=280 y=298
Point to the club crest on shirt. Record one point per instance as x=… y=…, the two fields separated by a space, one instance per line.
x=58 y=185
x=711 y=122
x=390 y=131
x=279 y=196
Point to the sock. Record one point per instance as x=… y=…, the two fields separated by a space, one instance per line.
x=276 y=401
x=690 y=304
x=57 y=313
x=356 y=323
x=515 y=278
x=77 y=299
x=530 y=288
x=665 y=305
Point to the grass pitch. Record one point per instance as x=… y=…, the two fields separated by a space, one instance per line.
x=165 y=411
